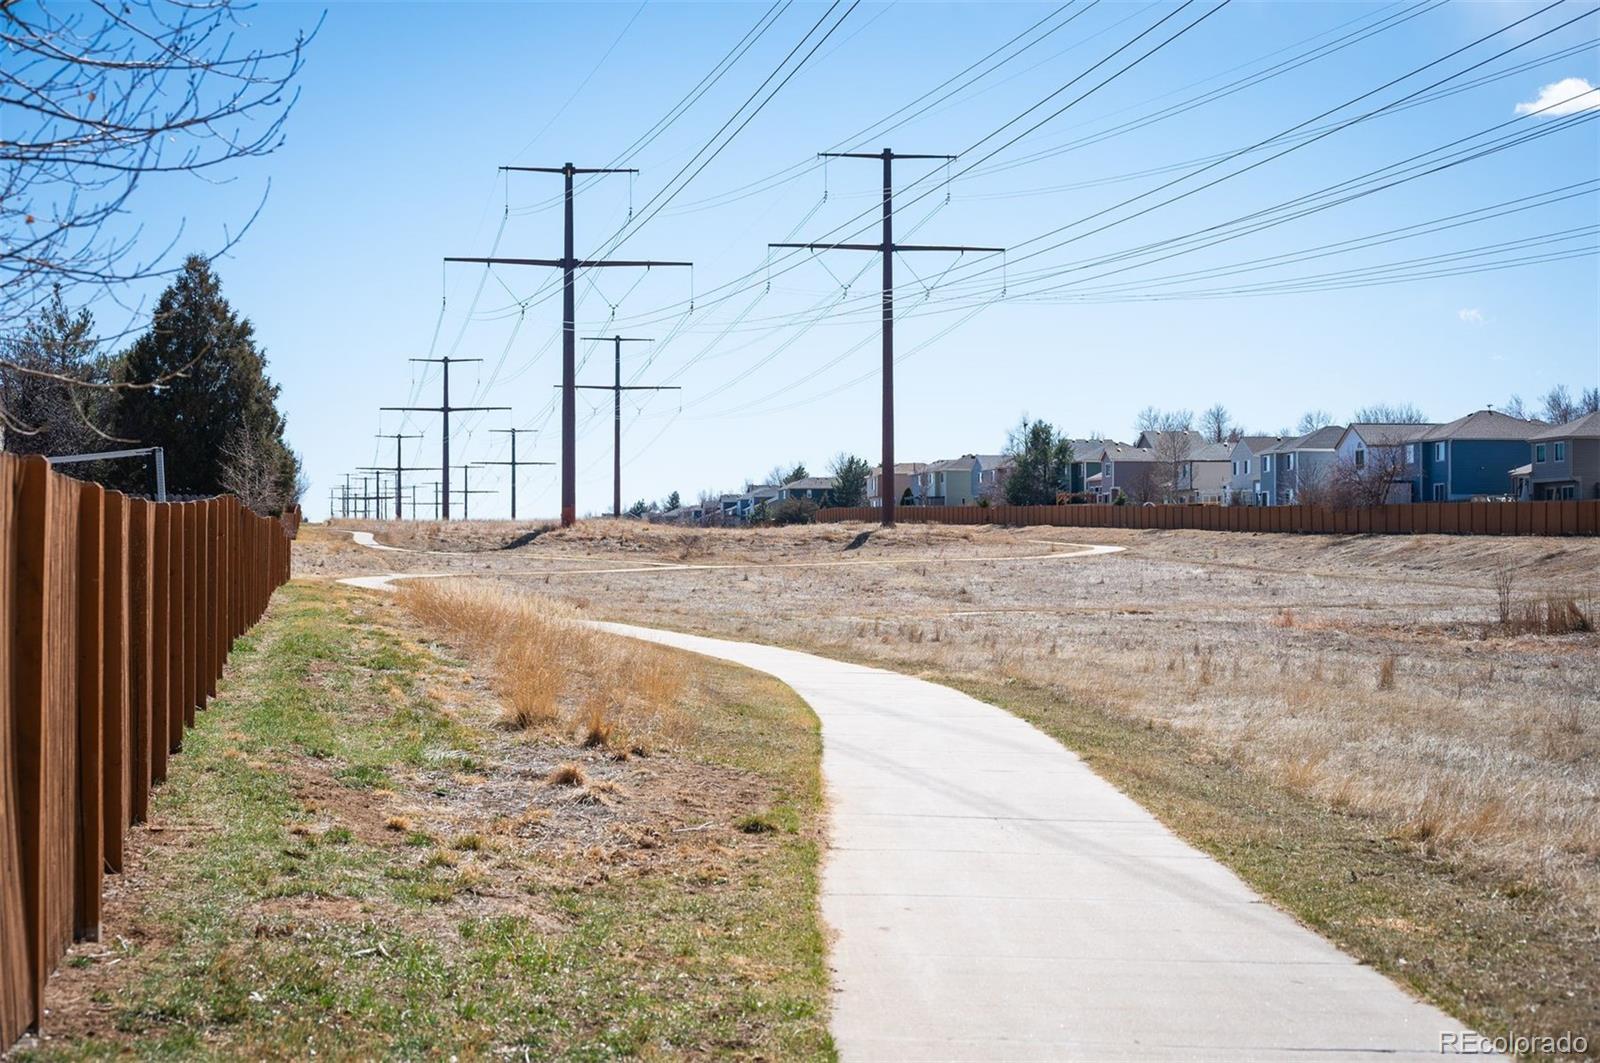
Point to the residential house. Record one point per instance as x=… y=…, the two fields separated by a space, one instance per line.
x=1125 y=471
x=1085 y=463
x=906 y=478
x=742 y=507
x=1295 y=470
x=1203 y=475
x=1397 y=448
x=1244 y=470
x=1566 y=460
x=1472 y=456
x=816 y=489
x=992 y=472
x=951 y=482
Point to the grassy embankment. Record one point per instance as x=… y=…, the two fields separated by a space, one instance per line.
x=356 y=857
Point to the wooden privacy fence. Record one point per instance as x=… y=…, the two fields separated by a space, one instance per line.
x=116 y=616
x=1417 y=518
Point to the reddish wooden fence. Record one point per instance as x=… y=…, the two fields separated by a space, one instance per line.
x=116 y=616
x=1418 y=518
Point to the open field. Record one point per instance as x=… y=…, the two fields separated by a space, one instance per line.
x=1442 y=773
x=364 y=856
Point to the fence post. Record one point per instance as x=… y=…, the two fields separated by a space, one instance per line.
x=30 y=658
x=177 y=640
x=191 y=611
x=117 y=759
x=90 y=833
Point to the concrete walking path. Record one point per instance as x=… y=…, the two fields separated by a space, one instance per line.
x=991 y=898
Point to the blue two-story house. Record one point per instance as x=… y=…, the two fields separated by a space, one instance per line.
x=1473 y=456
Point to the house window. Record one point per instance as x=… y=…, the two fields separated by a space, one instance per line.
x=1568 y=491
x=1438 y=452
x=1411 y=453
x=1236 y=468
x=1361 y=458
x=1438 y=492
x=1247 y=466
x=1538 y=452
x=1266 y=463
x=1561 y=452
x=1290 y=464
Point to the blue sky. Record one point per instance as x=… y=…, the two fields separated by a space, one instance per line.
x=407 y=110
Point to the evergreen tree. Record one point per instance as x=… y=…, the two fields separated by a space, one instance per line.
x=1041 y=457
x=48 y=404
x=217 y=398
x=672 y=502
x=850 y=475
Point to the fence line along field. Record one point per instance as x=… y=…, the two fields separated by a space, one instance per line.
x=117 y=617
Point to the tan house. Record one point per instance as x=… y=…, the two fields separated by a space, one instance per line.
x=907 y=477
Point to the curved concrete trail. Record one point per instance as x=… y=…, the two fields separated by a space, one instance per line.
x=993 y=899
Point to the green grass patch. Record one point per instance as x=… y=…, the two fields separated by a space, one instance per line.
x=255 y=940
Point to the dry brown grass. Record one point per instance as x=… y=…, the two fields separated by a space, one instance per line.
x=552 y=671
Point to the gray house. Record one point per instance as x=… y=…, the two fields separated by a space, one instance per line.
x=1085 y=463
x=1244 y=470
x=1472 y=456
x=1566 y=460
x=991 y=473
x=1125 y=471
x=1296 y=469
x=951 y=482
x=1203 y=476
x=812 y=488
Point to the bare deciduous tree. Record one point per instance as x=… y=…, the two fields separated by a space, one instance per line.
x=1390 y=413
x=1558 y=405
x=1370 y=483
x=1216 y=423
x=1312 y=420
x=1171 y=437
x=1515 y=407
x=95 y=98
x=252 y=471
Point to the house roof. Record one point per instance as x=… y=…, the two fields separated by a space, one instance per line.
x=961 y=464
x=1254 y=444
x=1585 y=427
x=810 y=483
x=1154 y=440
x=1211 y=452
x=1374 y=434
x=1485 y=424
x=1088 y=449
x=1523 y=470
x=1123 y=452
x=901 y=468
x=994 y=461
x=1322 y=439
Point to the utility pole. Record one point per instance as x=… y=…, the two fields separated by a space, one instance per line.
x=617 y=389
x=346 y=495
x=887 y=248
x=399 y=466
x=444 y=409
x=467 y=491
x=568 y=264
x=514 y=463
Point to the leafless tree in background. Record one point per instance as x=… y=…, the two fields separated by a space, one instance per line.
x=97 y=97
x=1515 y=407
x=1216 y=424
x=1390 y=413
x=1312 y=420
x=1172 y=440
x=1558 y=405
x=252 y=472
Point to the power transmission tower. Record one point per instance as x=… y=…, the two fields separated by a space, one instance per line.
x=514 y=463
x=399 y=466
x=568 y=264
x=887 y=248
x=467 y=491
x=617 y=389
x=444 y=410
x=347 y=496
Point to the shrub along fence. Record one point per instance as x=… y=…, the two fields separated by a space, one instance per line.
x=1580 y=517
x=116 y=616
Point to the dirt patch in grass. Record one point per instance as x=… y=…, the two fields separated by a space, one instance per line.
x=352 y=858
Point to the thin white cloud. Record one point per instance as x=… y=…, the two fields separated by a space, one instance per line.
x=1471 y=315
x=1567 y=96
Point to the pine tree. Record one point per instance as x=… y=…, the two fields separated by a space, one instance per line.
x=1040 y=460
x=850 y=475
x=46 y=403
x=218 y=398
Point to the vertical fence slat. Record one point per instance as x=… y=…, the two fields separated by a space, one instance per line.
x=90 y=839
x=141 y=537
x=117 y=757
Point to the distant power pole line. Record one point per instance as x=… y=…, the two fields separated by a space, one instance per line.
x=444 y=410
x=617 y=389
x=399 y=467
x=887 y=248
x=467 y=491
x=514 y=463
x=568 y=264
